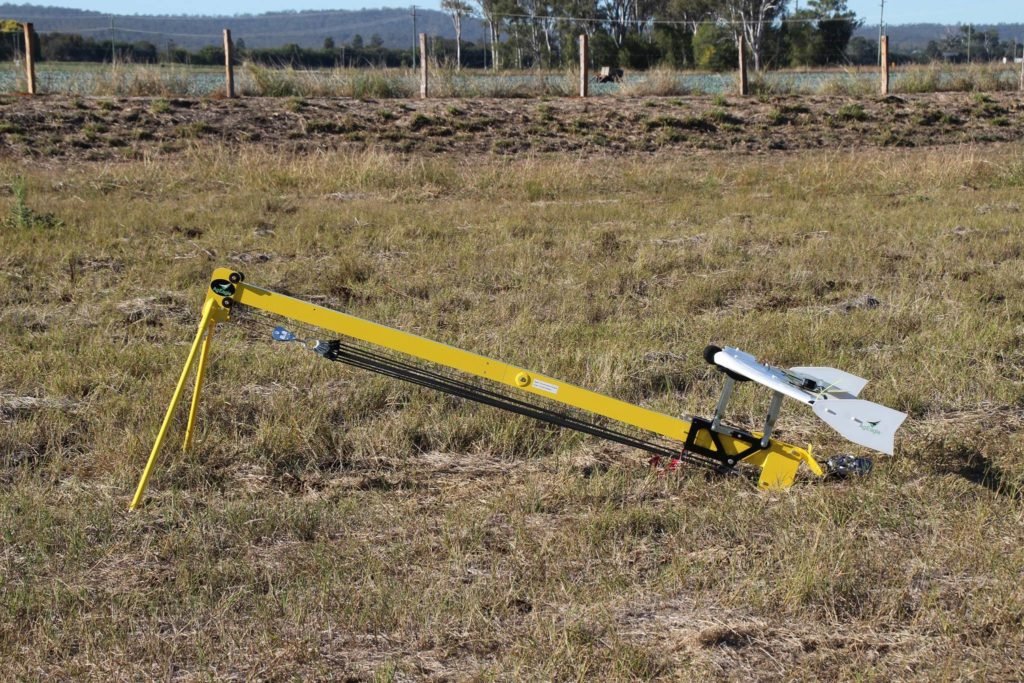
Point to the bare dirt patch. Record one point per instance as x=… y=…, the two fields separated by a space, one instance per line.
x=128 y=128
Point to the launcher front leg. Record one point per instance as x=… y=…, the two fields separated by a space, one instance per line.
x=212 y=310
x=200 y=375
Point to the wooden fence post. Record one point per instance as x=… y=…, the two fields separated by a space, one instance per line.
x=884 y=46
x=424 y=90
x=30 y=58
x=229 y=64
x=744 y=83
x=584 y=65
x=1021 y=68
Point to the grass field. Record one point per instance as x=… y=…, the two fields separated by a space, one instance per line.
x=332 y=524
x=177 y=80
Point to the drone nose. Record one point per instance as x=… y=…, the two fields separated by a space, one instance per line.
x=709 y=353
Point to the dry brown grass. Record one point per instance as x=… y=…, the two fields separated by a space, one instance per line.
x=332 y=524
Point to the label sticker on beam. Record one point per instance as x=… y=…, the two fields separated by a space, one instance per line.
x=545 y=386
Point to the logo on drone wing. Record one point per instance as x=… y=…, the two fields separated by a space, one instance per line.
x=871 y=427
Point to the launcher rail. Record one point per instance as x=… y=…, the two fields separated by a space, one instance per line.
x=522 y=391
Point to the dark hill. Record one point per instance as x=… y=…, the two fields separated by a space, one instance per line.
x=307 y=28
x=910 y=37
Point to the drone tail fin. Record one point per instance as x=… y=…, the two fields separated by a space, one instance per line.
x=869 y=424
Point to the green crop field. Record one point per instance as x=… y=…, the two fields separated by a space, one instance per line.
x=330 y=524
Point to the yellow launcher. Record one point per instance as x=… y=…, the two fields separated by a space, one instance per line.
x=699 y=440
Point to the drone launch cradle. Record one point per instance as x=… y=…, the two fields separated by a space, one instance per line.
x=831 y=393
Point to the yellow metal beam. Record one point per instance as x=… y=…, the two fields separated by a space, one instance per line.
x=464 y=361
x=781 y=457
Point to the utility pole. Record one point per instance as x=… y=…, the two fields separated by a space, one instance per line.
x=881 y=27
x=415 y=36
x=113 y=51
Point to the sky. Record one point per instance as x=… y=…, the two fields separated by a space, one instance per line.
x=896 y=11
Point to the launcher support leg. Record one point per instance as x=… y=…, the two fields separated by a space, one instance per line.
x=773 y=415
x=204 y=323
x=723 y=402
x=200 y=375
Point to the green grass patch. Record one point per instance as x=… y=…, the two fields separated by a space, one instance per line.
x=851 y=112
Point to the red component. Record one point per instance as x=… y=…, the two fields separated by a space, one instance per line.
x=665 y=466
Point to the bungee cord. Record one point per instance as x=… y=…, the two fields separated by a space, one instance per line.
x=390 y=365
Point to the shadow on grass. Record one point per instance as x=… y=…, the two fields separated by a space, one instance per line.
x=973 y=466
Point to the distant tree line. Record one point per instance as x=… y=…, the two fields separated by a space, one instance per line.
x=68 y=47
x=970 y=44
x=356 y=53
x=637 y=34
x=679 y=33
